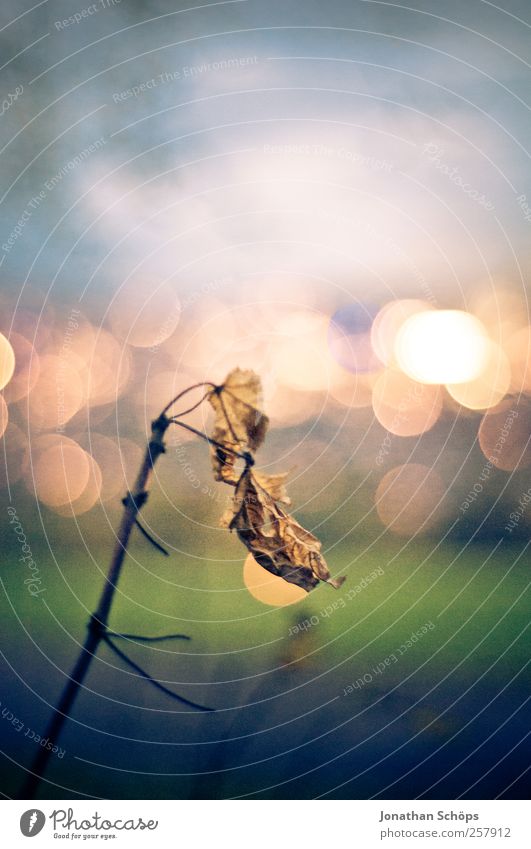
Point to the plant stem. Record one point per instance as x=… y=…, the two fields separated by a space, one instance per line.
x=98 y=621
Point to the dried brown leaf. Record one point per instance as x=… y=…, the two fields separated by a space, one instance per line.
x=274 y=485
x=276 y=541
x=240 y=425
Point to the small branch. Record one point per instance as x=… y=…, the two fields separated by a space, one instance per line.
x=185 y=392
x=141 y=639
x=149 y=678
x=98 y=622
x=241 y=455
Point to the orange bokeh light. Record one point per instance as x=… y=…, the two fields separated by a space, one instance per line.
x=505 y=435
x=145 y=313
x=268 y=588
x=4 y=416
x=518 y=349
x=403 y=406
x=408 y=499
x=56 y=396
x=489 y=387
x=13 y=456
x=387 y=324
x=26 y=371
x=7 y=361
x=59 y=470
x=90 y=495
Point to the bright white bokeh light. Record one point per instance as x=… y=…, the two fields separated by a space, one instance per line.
x=442 y=346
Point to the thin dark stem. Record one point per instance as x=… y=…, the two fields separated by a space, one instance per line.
x=98 y=621
x=239 y=454
x=142 y=639
x=149 y=678
x=190 y=409
x=151 y=539
x=185 y=392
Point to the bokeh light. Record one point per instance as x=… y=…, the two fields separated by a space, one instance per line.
x=107 y=368
x=14 y=456
x=349 y=338
x=117 y=460
x=268 y=588
x=301 y=356
x=403 y=406
x=489 y=387
x=90 y=495
x=354 y=390
x=56 y=396
x=518 y=349
x=4 y=416
x=26 y=371
x=409 y=499
x=387 y=324
x=59 y=470
x=442 y=346
x=158 y=390
x=145 y=313
x=7 y=361
x=500 y=308
x=505 y=435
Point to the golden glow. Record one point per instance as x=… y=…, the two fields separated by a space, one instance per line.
x=301 y=357
x=408 y=499
x=268 y=588
x=403 y=406
x=57 y=395
x=90 y=495
x=145 y=313
x=26 y=371
x=118 y=462
x=444 y=346
x=59 y=471
x=13 y=456
x=489 y=387
x=505 y=435
x=354 y=390
x=4 y=416
x=159 y=388
x=387 y=324
x=7 y=361
x=518 y=349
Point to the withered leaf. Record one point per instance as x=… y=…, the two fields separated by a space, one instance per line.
x=274 y=485
x=239 y=425
x=276 y=541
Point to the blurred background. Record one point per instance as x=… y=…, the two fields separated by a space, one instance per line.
x=337 y=196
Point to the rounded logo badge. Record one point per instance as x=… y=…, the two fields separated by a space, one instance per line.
x=32 y=822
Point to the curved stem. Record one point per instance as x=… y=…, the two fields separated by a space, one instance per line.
x=185 y=392
x=152 y=680
x=134 y=638
x=239 y=454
